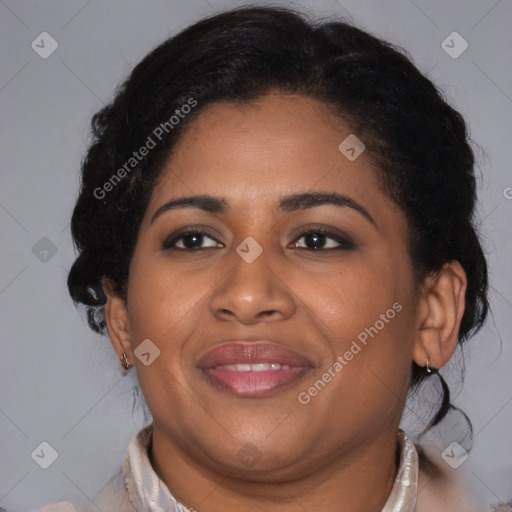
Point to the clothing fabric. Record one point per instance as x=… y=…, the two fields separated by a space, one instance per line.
x=146 y=492
x=137 y=487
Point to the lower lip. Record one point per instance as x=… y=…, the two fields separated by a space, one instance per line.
x=253 y=383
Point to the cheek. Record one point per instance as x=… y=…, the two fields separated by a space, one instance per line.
x=367 y=319
x=163 y=308
x=352 y=298
x=162 y=302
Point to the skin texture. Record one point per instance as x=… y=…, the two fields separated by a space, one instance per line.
x=337 y=452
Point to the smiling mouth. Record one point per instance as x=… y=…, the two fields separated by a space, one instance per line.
x=253 y=369
x=243 y=382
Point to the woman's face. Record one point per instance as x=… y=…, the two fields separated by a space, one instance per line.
x=302 y=261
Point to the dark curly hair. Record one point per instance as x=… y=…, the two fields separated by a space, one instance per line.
x=418 y=143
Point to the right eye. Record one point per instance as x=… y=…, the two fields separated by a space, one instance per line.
x=190 y=240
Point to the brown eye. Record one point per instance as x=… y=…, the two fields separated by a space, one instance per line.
x=191 y=240
x=322 y=240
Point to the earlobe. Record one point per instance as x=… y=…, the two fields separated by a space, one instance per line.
x=441 y=308
x=116 y=318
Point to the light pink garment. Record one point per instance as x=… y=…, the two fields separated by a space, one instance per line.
x=137 y=488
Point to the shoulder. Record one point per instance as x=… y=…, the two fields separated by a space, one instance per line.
x=113 y=497
x=441 y=488
x=61 y=506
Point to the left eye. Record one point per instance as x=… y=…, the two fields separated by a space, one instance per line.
x=318 y=240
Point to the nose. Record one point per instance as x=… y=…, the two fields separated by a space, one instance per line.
x=253 y=293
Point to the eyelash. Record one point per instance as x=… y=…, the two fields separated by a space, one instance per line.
x=345 y=243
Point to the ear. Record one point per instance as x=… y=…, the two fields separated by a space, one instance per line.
x=441 y=308
x=116 y=318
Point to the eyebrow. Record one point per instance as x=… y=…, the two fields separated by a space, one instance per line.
x=312 y=199
x=204 y=202
x=287 y=204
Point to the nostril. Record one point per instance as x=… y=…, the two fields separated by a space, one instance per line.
x=265 y=314
x=226 y=313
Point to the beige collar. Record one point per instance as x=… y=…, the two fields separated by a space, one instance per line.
x=148 y=493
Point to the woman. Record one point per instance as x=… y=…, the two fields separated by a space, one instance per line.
x=275 y=226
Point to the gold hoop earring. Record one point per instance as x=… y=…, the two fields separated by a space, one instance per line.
x=124 y=362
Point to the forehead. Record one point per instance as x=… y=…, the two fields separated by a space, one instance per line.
x=256 y=153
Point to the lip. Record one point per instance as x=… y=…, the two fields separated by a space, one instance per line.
x=249 y=382
x=252 y=352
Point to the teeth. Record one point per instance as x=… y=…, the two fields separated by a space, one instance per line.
x=260 y=367
x=254 y=367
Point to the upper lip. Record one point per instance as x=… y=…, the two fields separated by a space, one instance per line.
x=252 y=352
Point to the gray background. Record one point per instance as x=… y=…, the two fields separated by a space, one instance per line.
x=61 y=383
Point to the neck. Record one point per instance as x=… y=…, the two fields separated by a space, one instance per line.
x=357 y=480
